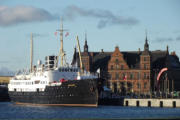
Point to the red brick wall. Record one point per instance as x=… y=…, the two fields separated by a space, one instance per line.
x=133 y=76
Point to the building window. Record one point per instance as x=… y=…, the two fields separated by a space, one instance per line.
x=145 y=59
x=117 y=76
x=131 y=76
x=123 y=76
x=138 y=85
x=145 y=76
x=117 y=61
x=145 y=85
x=117 y=66
x=145 y=66
x=111 y=67
x=138 y=76
x=122 y=67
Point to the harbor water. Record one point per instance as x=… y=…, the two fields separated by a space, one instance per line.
x=10 y=111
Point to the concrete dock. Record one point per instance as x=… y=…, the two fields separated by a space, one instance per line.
x=173 y=103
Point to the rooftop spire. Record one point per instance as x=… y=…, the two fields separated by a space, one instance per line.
x=146 y=45
x=85 y=45
x=85 y=36
x=146 y=35
x=167 y=49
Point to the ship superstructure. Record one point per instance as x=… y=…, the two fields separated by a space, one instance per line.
x=51 y=84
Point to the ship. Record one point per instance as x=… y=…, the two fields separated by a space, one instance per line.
x=52 y=84
x=4 y=96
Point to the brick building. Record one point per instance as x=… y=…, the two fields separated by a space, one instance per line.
x=132 y=71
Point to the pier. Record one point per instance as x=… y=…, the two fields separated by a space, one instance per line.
x=172 y=103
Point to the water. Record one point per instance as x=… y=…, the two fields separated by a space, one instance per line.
x=11 y=111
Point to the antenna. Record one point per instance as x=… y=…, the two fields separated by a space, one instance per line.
x=31 y=53
x=61 y=52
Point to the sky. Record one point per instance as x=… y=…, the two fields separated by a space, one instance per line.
x=108 y=23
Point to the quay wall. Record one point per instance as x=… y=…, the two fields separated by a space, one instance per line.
x=152 y=102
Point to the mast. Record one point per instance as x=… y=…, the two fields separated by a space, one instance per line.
x=79 y=50
x=31 y=53
x=61 y=52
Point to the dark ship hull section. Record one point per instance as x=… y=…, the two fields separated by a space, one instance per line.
x=4 y=96
x=69 y=93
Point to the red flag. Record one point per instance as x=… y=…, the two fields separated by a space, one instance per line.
x=55 y=33
x=67 y=33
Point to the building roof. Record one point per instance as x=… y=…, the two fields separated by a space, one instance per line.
x=159 y=59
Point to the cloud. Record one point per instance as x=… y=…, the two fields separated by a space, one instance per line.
x=105 y=17
x=164 y=40
x=21 y=14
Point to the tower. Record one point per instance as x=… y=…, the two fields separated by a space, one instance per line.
x=145 y=67
x=85 y=45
